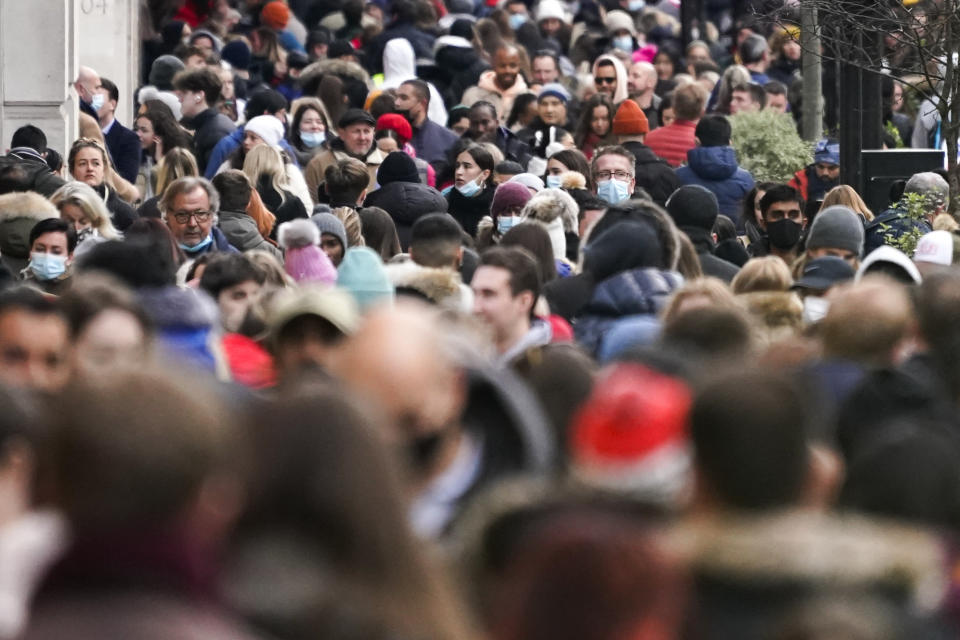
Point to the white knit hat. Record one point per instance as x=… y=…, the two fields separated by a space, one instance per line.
x=551 y=9
x=269 y=128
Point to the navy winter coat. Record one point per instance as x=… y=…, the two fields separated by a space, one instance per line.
x=716 y=169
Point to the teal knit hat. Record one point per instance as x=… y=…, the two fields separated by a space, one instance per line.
x=362 y=274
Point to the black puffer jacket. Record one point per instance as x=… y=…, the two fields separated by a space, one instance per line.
x=406 y=202
x=210 y=126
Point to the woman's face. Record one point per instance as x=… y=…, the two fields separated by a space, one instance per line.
x=250 y=140
x=467 y=170
x=387 y=145
x=555 y=167
x=144 y=129
x=897 y=102
x=664 y=66
x=668 y=117
x=791 y=50
x=600 y=120
x=312 y=122
x=76 y=216
x=460 y=126
x=88 y=166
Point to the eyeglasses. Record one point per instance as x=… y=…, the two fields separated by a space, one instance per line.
x=619 y=175
x=183 y=217
x=605 y=80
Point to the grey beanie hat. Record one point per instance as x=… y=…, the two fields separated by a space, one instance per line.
x=836 y=227
x=163 y=70
x=329 y=223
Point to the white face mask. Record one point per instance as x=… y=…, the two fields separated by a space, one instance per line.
x=815 y=309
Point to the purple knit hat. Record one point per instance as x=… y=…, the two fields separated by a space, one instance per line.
x=303 y=258
x=509 y=194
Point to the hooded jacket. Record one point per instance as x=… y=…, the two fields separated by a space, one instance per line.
x=487 y=89
x=19 y=212
x=459 y=66
x=716 y=169
x=39 y=176
x=439 y=286
x=406 y=202
x=622 y=93
x=242 y=233
x=653 y=174
x=421 y=40
x=400 y=65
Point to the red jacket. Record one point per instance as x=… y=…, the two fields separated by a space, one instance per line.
x=673 y=141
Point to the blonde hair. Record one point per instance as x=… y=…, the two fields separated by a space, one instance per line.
x=264 y=160
x=847 y=196
x=175 y=164
x=714 y=290
x=89 y=201
x=271 y=266
x=352 y=224
x=769 y=273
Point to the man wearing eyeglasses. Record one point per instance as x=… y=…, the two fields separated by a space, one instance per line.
x=189 y=207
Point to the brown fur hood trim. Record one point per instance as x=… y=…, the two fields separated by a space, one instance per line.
x=435 y=284
x=26 y=204
x=343 y=68
x=777 y=308
x=550 y=204
x=573 y=180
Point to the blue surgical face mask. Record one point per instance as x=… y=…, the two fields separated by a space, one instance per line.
x=636 y=5
x=624 y=43
x=47 y=266
x=505 y=223
x=199 y=247
x=613 y=191
x=516 y=20
x=469 y=189
x=553 y=182
x=313 y=139
x=97 y=101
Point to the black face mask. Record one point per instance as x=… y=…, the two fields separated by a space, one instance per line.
x=784 y=234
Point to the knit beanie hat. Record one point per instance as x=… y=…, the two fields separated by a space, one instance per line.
x=509 y=194
x=836 y=227
x=556 y=90
x=237 y=53
x=304 y=261
x=693 y=206
x=396 y=123
x=630 y=120
x=620 y=20
x=363 y=275
x=269 y=128
x=631 y=436
x=397 y=167
x=162 y=71
x=329 y=223
x=550 y=9
x=275 y=15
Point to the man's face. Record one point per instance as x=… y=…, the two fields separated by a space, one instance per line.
x=86 y=86
x=495 y=303
x=235 y=301
x=742 y=101
x=827 y=172
x=615 y=166
x=606 y=79
x=330 y=245
x=205 y=43
x=545 y=70
x=33 y=350
x=109 y=106
x=191 y=102
x=408 y=102
x=305 y=344
x=549 y=26
x=638 y=80
x=697 y=54
x=88 y=166
x=506 y=66
x=777 y=102
x=357 y=138
x=195 y=62
x=822 y=252
x=552 y=111
x=483 y=125
x=183 y=219
x=784 y=211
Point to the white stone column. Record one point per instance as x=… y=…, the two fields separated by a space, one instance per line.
x=38 y=54
x=109 y=37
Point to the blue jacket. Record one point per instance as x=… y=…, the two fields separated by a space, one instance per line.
x=716 y=169
x=638 y=292
x=229 y=144
x=888 y=226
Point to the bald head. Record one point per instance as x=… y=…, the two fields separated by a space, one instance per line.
x=396 y=361
x=88 y=82
x=642 y=79
x=506 y=66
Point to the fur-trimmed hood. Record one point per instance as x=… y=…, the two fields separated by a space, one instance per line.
x=26 y=204
x=550 y=204
x=774 y=308
x=19 y=212
x=337 y=67
x=436 y=284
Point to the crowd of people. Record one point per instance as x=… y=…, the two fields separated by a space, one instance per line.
x=448 y=319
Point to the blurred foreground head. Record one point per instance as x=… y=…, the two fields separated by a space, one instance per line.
x=34 y=341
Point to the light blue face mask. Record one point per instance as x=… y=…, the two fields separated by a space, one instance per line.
x=516 y=20
x=198 y=248
x=613 y=191
x=624 y=43
x=47 y=266
x=97 y=101
x=552 y=182
x=469 y=189
x=505 y=223
x=635 y=5
x=313 y=139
